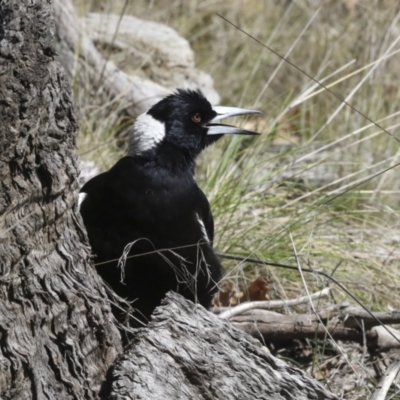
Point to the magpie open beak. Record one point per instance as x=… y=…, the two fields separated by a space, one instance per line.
x=227 y=112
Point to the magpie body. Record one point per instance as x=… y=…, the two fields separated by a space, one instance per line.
x=149 y=207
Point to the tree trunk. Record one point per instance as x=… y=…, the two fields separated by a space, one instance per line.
x=188 y=353
x=56 y=338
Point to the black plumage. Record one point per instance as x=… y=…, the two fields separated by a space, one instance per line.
x=150 y=199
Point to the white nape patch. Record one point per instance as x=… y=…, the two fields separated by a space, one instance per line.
x=203 y=229
x=82 y=197
x=147 y=132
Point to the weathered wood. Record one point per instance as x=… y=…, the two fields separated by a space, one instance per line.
x=356 y=317
x=385 y=382
x=230 y=312
x=57 y=336
x=382 y=339
x=342 y=322
x=275 y=327
x=189 y=353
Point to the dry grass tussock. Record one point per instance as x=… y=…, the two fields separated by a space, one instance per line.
x=318 y=179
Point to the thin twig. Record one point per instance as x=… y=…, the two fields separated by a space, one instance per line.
x=272 y=304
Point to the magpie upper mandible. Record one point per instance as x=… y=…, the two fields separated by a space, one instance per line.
x=150 y=201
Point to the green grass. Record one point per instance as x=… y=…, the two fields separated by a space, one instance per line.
x=299 y=183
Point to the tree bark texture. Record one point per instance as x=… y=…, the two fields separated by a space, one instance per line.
x=57 y=336
x=188 y=353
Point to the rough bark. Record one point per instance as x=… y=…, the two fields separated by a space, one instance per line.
x=188 y=353
x=57 y=338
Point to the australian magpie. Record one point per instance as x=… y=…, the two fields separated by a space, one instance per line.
x=149 y=207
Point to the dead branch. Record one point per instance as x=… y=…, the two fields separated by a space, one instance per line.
x=352 y=317
x=276 y=327
x=342 y=322
x=271 y=304
x=386 y=381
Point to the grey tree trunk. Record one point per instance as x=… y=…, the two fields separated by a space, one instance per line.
x=188 y=353
x=56 y=338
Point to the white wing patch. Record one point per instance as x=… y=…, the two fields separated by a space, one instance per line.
x=82 y=197
x=203 y=229
x=147 y=132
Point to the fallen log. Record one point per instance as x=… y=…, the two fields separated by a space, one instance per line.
x=276 y=327
x=340 y=322
x=354 y=317
x=212 y=360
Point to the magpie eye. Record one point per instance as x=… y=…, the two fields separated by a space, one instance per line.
x=196 y=117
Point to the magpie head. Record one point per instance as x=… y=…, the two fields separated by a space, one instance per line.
x=187 y=121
